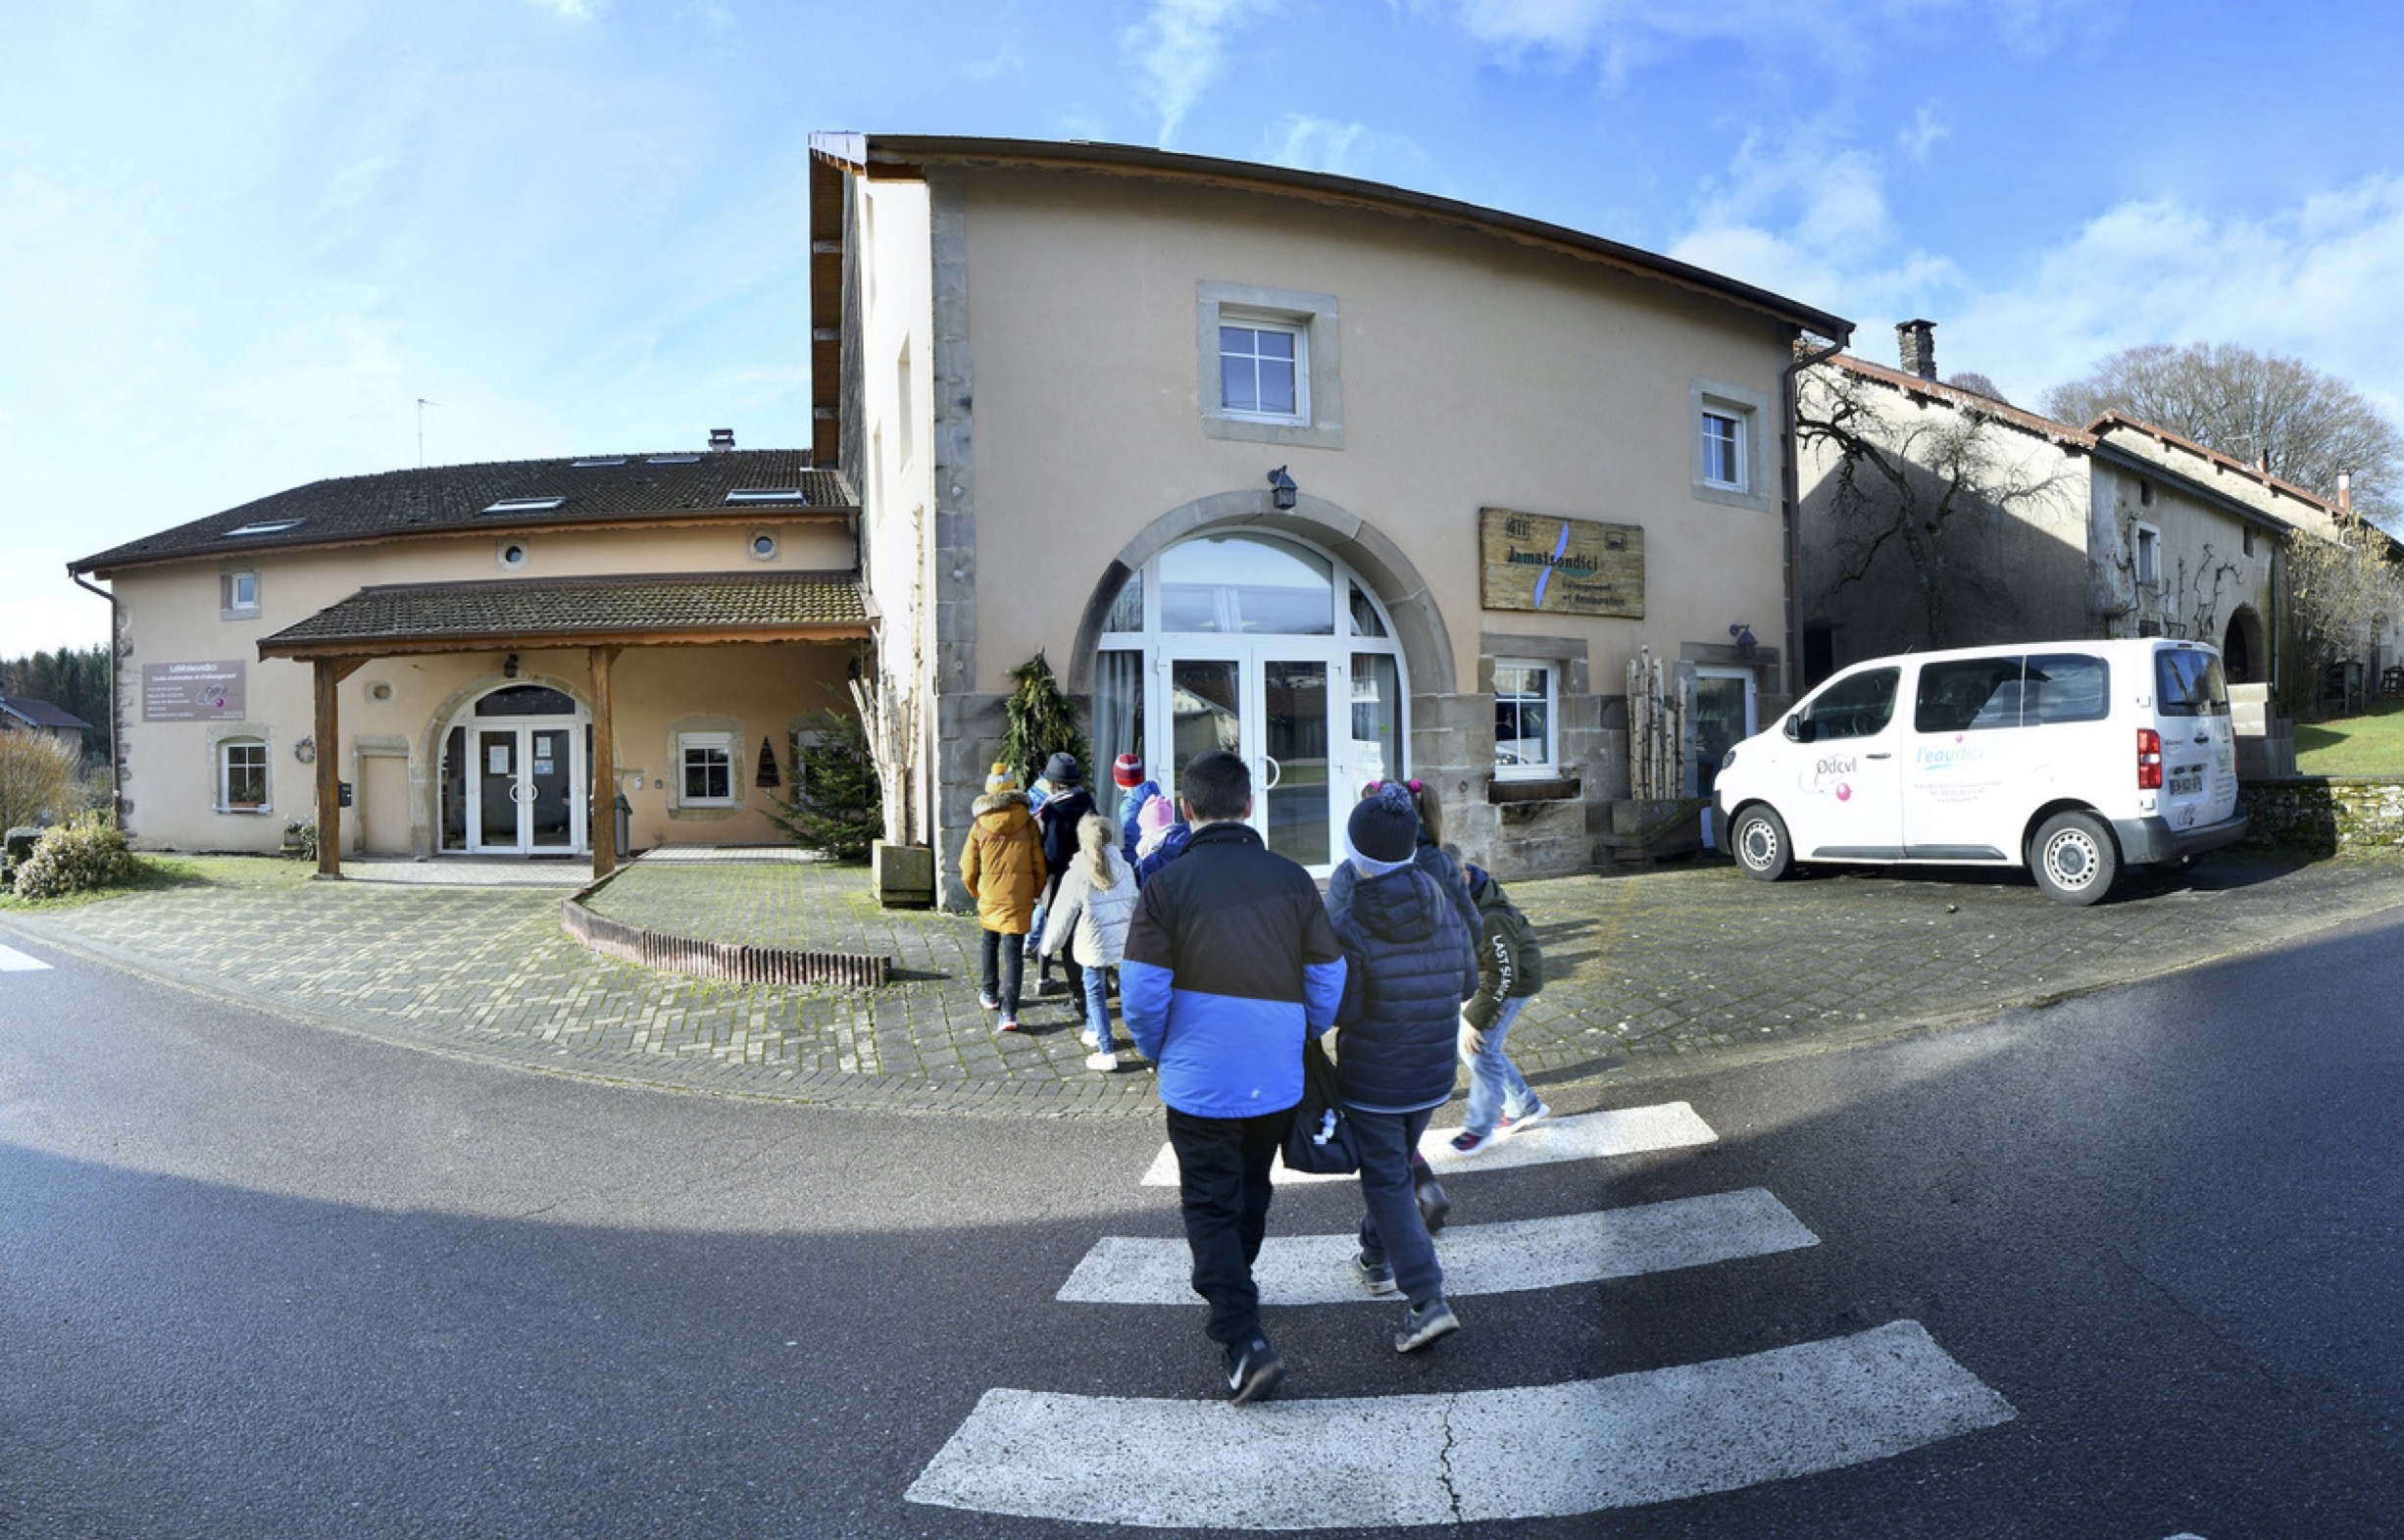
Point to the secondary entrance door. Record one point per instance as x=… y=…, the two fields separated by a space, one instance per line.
x=522 y=793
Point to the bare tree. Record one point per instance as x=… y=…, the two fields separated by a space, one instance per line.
x=2300 y=424
x=2341 y=593
x=1917 y=484
x=37 y=778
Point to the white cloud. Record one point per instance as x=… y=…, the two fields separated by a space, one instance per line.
x=1345 y=149
x=569 y=10
x=1181 y=48
x=1927 y=129
x=2315 y=280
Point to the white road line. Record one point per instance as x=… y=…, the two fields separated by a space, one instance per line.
x=1535 y=1451
x=1633 y=1131
x=12 y=961
x=1478 y=1259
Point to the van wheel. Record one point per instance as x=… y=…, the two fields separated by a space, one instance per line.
x=1758 y=841
x=2074 y=858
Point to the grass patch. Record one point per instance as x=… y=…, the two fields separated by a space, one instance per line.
x=2370 y=744
x=153 y=872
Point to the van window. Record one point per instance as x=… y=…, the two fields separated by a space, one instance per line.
x=2067 y=688
x=2189 y=684
x=1855 y=708
x=1971 y=694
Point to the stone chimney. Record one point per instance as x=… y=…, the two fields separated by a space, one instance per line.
x=1917 y=341
x=2345 y=491
x=722 y=438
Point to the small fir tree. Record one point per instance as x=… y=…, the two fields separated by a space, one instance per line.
x=836 y=805
x=1042 y=721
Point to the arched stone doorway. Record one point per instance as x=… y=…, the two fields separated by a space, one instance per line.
x=2243 y=656
x=513 y=775
x=1265 y=642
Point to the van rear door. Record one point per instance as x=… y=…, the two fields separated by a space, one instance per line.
x=2199 y=747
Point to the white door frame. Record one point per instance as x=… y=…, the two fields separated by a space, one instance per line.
x=521 y=731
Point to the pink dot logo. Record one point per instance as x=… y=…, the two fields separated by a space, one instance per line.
x=1844 y=791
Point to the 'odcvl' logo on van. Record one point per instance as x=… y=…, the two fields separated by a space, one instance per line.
x=1830 y=772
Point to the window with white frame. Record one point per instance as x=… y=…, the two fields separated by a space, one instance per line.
x=1727 y=456
x=705 y=769
x=2149 y=556
x=1263 y=369
x=237 y=593
x=1525 y=695
x=242 y=776
x=1267 y=364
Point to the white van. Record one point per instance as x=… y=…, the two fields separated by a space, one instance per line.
x=2072 y=759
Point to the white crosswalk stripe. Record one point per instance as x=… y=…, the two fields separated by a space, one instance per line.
x=1538 y=1451
x=1478 y=1259
x=1589 y=1136
x=1525 y=1452
x=12 y=961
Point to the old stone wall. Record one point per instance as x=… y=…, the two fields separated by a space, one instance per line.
x=2324 y=814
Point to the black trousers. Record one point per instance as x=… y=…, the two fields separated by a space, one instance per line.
x=1222 y=1185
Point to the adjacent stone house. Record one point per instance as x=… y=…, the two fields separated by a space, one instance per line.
x=1354 y=481
x=481 y=660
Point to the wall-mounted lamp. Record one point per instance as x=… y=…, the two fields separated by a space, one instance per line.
x=1743 y=634
x=1281 y=488
x=508 y=668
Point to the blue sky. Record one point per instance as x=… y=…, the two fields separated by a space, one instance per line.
x=239 y=239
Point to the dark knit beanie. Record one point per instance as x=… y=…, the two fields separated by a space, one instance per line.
x=1385 y=827
x=1060 y=770
x=1128 y=771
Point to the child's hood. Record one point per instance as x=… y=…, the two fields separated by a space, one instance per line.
x=1403 y=904
x=1003 y=812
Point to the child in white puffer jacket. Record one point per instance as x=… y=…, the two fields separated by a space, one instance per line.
x=1089 y=914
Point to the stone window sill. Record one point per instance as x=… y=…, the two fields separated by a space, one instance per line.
x=1552 y=788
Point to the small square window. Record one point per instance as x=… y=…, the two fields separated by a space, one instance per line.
x=1725 y=421
x=2148 y=556
x=706 y=770
x=238 y=593
x=1724 y=451
x=1525 y=695
x=1269 y=365
x=1261 y=371
x=242 y=776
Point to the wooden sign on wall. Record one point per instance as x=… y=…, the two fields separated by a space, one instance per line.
x=1561 y=566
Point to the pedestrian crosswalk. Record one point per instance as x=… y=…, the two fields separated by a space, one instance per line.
x=1525 y=1452
x=12 y=961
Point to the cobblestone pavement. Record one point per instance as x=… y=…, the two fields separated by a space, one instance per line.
x=1648 y=975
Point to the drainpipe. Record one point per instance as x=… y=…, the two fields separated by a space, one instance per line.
x=1791 y=478
x=116 y=790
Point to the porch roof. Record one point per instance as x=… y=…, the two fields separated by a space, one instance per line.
x=650 y=610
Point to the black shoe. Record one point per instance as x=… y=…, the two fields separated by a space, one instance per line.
x=1433 y=1205
x=1253 y=1370
x=1424 y=1323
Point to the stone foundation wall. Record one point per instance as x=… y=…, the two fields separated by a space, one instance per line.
x=2323 y=815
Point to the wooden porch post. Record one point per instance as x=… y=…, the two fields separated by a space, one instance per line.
x=603 y=824
x=330 y=672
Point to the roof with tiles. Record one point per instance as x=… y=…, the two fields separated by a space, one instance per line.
x=702 y=606
x=511 y=494
x=31 y=713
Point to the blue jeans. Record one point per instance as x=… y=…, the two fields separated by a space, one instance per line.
x=1391 y=1227
x=1097 y=1008
x=1495 y=1084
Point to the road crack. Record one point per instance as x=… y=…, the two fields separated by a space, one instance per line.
x=1443 y=1462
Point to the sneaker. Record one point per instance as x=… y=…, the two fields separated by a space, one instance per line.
x=1089 y=1038
x=1515 y=1125
x=1375 y=1276
x=1009 y=1024
x=1433 y=1205
x=1103 y=1062
x=1253 y=1370
x=1424 y=1323
x=988 y=1001
x=1468 y=1143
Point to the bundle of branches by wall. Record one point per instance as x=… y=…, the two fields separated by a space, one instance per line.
x=1042 y=722
x=888 y=723
x=1659 y=706
x=837 y=804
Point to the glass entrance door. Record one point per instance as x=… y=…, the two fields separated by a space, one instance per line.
x=1274 y=712
x=522 y=791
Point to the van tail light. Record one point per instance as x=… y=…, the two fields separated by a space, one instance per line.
x=2149 y=760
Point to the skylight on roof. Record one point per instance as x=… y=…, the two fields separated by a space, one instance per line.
x=766 y=494
x=524 y=505
x=266 y=526
x=673 y=460
x=595 y=465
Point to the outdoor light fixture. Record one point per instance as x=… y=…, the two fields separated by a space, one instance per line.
x=1281 y=488
x=1744 y=639
x=508 y=668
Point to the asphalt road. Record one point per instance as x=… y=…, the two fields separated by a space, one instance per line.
x=260 y=1279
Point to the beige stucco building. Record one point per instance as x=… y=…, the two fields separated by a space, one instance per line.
x=484 y=658
x=1357 y=482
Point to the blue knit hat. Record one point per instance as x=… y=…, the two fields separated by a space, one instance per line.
x=1384 y=831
